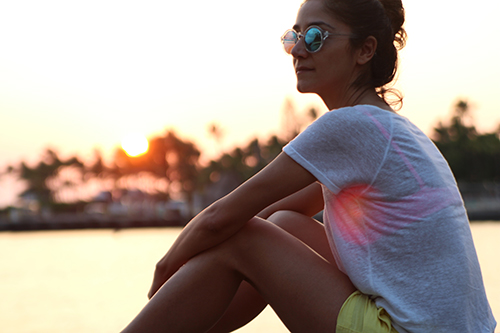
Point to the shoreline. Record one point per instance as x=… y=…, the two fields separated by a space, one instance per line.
x=89 y=222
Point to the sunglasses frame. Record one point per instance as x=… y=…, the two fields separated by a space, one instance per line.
x=323 y=33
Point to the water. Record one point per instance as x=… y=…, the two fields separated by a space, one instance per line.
x=97 y=280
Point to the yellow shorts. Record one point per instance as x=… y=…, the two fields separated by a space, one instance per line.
x=359 y=314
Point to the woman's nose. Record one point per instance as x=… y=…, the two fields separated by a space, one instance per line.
x=299 y=50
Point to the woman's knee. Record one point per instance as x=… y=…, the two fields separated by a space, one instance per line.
x=281 y=215
x=291 y=221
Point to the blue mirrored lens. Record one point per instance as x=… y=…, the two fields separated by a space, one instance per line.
x=313 y=39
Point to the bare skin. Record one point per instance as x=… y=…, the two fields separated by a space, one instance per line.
x=199 y=294
x=248 y=303
x=196 y=297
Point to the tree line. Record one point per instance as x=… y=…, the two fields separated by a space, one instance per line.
x=473 y=157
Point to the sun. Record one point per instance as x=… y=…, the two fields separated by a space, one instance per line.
x=135 y=144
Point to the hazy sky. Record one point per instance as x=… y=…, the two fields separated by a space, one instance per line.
x=79 y=75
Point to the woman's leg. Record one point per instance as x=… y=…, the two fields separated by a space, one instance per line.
x=248 y=303
x=245 y=306
x=302 y=287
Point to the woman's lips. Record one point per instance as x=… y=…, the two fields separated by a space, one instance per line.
x=302 y=69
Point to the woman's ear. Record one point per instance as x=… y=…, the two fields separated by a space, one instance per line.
x=367 y=50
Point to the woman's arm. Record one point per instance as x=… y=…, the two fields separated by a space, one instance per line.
x=225 y=217
x=308 y=202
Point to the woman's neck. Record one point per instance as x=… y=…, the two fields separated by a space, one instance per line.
x=362 y=96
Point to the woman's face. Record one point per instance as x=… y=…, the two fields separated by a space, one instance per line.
x=330 y=71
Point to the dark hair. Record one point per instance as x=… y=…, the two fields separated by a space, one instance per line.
x=382 y=19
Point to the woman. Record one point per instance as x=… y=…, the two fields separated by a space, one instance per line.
x=395 y=253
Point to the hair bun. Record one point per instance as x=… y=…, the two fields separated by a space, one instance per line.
x=396 y=13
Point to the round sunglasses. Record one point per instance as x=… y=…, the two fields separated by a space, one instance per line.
x=313 y=36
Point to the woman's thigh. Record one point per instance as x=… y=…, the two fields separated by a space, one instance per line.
x=304 y=289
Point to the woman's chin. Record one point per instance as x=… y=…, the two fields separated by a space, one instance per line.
x=302 y=87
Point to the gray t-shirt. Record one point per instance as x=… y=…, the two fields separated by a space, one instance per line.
x=395 y=219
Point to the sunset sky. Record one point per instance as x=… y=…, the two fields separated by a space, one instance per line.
x=81 y=75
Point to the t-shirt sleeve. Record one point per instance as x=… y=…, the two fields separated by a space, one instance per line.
x=343 y=147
